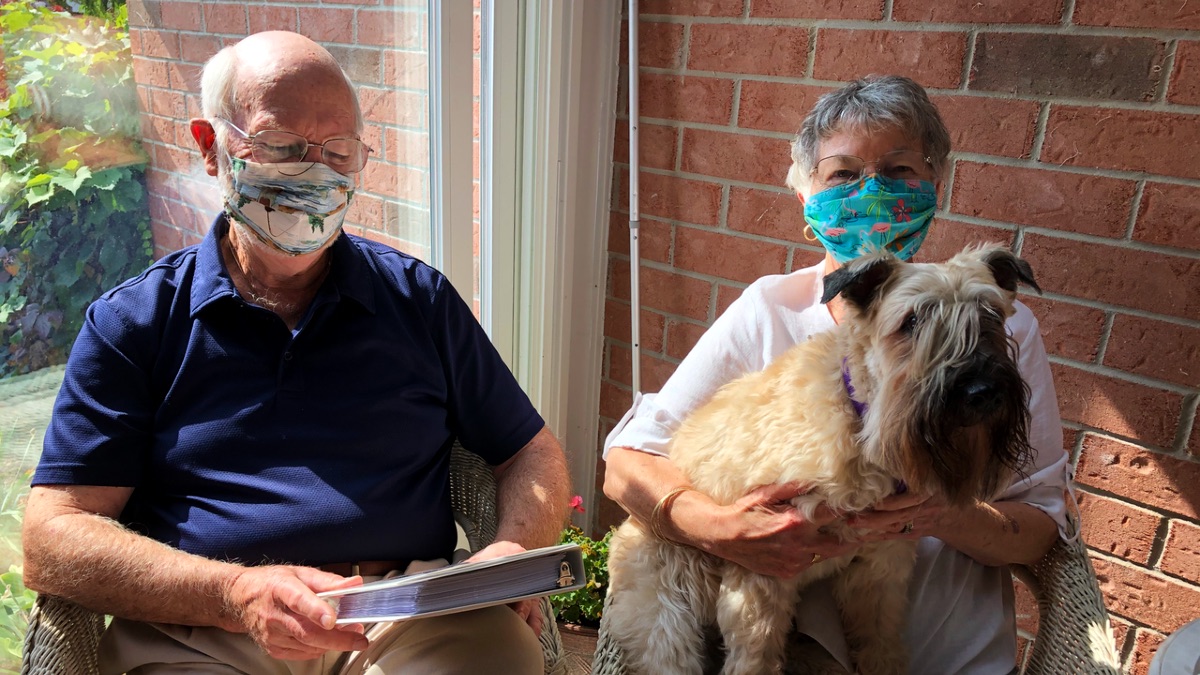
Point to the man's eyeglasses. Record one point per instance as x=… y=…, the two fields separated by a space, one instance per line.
x=344 y=155
x=838 y=170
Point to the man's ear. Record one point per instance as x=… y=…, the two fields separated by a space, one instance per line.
x=206 y=140
x=800 y=196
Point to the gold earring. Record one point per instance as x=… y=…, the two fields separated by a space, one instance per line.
x=808 y=233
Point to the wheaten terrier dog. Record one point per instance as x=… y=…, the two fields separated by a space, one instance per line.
x=924 y=347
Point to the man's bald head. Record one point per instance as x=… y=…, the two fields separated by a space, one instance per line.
x=279 y=71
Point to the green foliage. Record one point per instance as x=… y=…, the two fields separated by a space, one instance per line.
x=15 y=605
x=73 y=212
x=585 y=605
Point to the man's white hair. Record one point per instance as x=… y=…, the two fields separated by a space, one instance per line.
x=218 y=90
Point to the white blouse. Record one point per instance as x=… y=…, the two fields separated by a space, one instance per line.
x=961 y=616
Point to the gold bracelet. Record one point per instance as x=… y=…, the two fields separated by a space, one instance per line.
x=663 y=504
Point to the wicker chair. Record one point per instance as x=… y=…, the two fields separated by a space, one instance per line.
x=63 y=637
x=1074 y=634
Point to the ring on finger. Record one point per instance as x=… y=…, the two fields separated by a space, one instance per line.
x=908 y=527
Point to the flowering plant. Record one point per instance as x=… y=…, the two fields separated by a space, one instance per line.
x=585 y=605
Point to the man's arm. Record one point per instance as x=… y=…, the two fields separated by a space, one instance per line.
x=532 y=493
x=75 y=549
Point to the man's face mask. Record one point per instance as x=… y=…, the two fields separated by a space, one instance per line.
x=296 y=214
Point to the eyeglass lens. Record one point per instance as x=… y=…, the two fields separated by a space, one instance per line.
x=901 y=165
x=344 y=155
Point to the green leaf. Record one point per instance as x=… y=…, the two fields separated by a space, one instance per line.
x=10 y=145
x=39 y=193
x=40 y=179
x=71 y=181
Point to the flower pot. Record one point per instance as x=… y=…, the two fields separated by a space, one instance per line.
x=579 y=645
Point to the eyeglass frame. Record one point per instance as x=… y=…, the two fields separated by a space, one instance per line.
x=925 y=158
x=307 y=143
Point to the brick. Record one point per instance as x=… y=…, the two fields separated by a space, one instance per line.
x=1130 y=140
x=161 y=44
x=1026 y=606
x=1181 y=554
x=274 y=17
x=868 y=10
x=185 y=76
x=979 y=11
x=802 y=258
x=158 y=129
x=324 y=24
x=1152 y=599
x=1144 y=14
x=1068 y=330
x=660 y=44
x=726 y=256
x=1140 y=475
x=990 y=126
x=656 y=145
x=410 y=148
x=407 y=70
x=1117 y=528
x=726 y=295
x=394 y=181
x=752 y=49
x=682 y=336
x=228 y=19
x=654 y=237
x=1184 y=88
x=150 y=72
x=1154 y=282
x=686 y=98
x=1145 y=644
x=197 y=48
x=617 y=322
x=935 y=59
x=402 y=108
x=1053 y=199
x=776 y=106
x=1157 y=349
x=1085 y=66
x=674 y=198
x=778 y=215
x=614 y=400
x=691 y=7
x=363 y=65
x=365 y=211
x=395 y=29
x=181 y=15
x=947 y=237
x=1125 y=408
x=1169 y=215
x=166 y=236
x=655 y=371
x=1122 y=631
x=751 y=159
x=665 y=291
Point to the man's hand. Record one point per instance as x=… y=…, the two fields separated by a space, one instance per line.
x=528 y=610
x=278 y=606
x=763 y=531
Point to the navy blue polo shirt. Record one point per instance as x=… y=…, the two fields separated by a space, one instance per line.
x=247 y=441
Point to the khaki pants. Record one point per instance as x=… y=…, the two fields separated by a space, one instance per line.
x=488 y=640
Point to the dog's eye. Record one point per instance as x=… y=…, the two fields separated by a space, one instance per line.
x=910 y=324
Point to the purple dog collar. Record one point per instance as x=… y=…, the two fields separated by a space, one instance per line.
x=861 y=409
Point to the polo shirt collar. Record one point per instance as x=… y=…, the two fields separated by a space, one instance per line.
x=350 y=274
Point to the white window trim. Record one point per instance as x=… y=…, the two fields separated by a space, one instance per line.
x=549 y=134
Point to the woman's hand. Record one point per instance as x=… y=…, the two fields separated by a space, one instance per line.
x=763 y=531
x=278 y=606
x=903 y=516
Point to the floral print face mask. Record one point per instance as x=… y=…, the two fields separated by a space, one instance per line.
x=873 y=213
x=294 y=206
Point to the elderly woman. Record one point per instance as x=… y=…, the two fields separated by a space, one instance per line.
x=874 y=139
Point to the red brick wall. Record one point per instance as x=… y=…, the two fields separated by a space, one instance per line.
x=383 y=47
x=1073 y=126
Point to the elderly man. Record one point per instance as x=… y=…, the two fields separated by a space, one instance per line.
x=256 y=416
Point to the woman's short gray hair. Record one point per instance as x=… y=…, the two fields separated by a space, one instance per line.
x=871 y=103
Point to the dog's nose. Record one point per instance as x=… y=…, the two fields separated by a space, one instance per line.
x=980 y=396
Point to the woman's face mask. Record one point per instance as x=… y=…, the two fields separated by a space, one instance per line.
x=296 y=214
x=873 y=213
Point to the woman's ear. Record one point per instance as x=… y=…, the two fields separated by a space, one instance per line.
x=206 y=140
x=800 y=196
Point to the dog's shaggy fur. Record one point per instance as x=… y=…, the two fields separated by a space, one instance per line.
x=926 y=349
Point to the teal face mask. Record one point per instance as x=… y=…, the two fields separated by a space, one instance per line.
x=873 y=213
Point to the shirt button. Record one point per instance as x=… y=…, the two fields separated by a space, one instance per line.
x=287 y=356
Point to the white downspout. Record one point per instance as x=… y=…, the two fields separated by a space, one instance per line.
x=634 y=169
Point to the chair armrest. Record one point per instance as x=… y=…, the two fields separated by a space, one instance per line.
x=63 y=638
x=1074 y=633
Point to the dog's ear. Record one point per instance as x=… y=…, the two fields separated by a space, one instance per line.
x=860 y=280
x=1008 y=269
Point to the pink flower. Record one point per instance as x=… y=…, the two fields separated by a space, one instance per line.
x=577 y=503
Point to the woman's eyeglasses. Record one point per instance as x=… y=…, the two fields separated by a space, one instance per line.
x=838 y=170
x=344 y=155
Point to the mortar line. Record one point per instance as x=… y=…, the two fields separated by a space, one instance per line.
x=1068 y=13
x=1039 y=131
x=1168 y=67
x=888 y=6
x=1132 y=378
x=1135 y=206
x=812 y=52
x=1105 y=334
x=1158 y=545
x=1187 y=422
x=968 y=59
x=735 y=106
